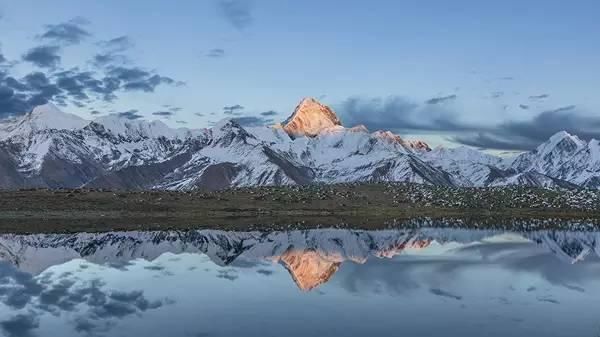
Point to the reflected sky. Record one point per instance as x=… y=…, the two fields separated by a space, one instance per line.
x=427 y=282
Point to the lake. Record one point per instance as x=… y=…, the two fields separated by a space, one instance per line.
x=321 y=282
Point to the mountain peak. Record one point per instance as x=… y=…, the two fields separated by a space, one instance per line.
x=310 y=118
x=560 y=135
x=561 y=141
x=45 y=117
x=140 y=128
x=46 y=109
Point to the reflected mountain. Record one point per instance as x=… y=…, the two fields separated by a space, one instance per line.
x=423 y=282
x=312 y=257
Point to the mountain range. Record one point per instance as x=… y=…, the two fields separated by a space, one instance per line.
x=48 y=148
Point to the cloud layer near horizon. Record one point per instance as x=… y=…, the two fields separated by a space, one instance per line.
x=438 y=116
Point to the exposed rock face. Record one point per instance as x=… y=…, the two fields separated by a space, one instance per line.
x=310 y=118
x=418 y=145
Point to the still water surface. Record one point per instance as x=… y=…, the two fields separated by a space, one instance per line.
x=329 y=282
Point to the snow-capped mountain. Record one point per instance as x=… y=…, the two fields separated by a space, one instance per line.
x=565 y=157
x=50 y=148
x=41 y=118
x=472 y=167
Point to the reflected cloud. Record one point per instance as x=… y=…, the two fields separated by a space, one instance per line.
x=228 y=274
x=94 y=306
x=443 y=293
x=265 y=272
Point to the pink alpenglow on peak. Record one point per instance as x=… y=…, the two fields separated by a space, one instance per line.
x=418 y=145
x=310 y=118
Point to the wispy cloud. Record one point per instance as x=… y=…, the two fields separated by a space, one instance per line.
x=71 y=32
x=130 y=114
x=252 y=121
x=163 y=113
x=539 y=97
x=233 y=109
x=216 y=53
x=442 y=99
x=237 y=12
x=117 y=44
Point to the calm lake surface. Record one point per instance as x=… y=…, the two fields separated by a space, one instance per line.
x=328 y=282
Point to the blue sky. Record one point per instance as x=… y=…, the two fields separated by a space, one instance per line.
x=501 y=75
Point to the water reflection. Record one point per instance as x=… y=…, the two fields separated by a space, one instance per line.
x=423 y=282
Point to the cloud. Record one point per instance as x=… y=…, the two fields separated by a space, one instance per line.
x=237 y=12
x=228 y=274
x=539 y=97
x=252 y=121
x=20 y=325
x=269 y=113
x=104 y=59
x=216 y=53
x=114 y=73
x=562 y=109
x=490 y=140
x=439 y=100
x=43 y=56
x=71 y=32
x=443 y=293
x=118 y=44
x=130 y=114
x=6 y=93
x=399 y=114
x=138 y=79
x=528 y=134
x=110 y=52
x=163 y=113
x=404 y=116
x=233 y=109
x=78 y=87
